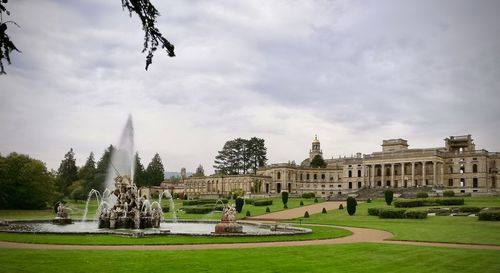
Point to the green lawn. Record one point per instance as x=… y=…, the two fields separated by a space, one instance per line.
x=435 y=228
x=317 y=234
x=77 y=209
x=328 y=258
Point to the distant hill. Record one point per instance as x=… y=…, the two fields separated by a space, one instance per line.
x=168 y=174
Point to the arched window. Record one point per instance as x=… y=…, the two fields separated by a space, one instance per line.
x=379 y=172
x=474 y=168
x=350 y=173
x=359 y=173
x=323 y=176
x=315 y=176
x=307 y=176
x=279 y=175
x=451 y=169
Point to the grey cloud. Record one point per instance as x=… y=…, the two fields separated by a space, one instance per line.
x=353 y=71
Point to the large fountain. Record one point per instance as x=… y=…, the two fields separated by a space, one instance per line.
x=122 y=209
x=129 y=211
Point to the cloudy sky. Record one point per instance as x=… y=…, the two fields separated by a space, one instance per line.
x=353 y=72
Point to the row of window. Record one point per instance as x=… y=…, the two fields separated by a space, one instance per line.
x=462 y=182
x=315 y=176
x=379 y=172
x=350 y=185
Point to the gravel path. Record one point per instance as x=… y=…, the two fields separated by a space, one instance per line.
x=360 y=235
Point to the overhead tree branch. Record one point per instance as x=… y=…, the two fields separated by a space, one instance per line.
x=152 y=36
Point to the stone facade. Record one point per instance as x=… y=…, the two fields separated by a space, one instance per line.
x=458 y=166
x=221 y=185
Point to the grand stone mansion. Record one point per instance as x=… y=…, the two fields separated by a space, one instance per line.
x=457 y=165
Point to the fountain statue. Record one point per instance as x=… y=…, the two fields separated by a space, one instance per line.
x=129 y=211
x=61 y=216
x=228 y=222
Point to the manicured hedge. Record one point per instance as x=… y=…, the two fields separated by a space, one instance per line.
x=416 y=214
x=308 y=195
x=420 y=202
x=392 y=213
x=448 y=201
x=448 y=193
x=409 y=203
x=422 y=195
x=263 y=202
x=203 y=201
x=374 y=211
x=489 y=215
x=203 y=208
x=469 y=209
x=197 y=210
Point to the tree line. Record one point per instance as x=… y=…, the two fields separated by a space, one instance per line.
x=76 y=182
x=241 y=156
x=26 y=183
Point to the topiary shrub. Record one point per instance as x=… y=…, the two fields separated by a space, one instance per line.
x=268 y=209
x=416 y=214
x=422 y=195
x=373 y=211
x=323 y=211
x=391 y=213
x=489 y=215
x=308 y=195
x=284 y=198
x=239 y=204
x=306 y=214
x=389 y=196
x=249 y=201
x=301 y=203
x=351 y=205
x=315 y=200
x=341 y=206
x=248 y=213
x=369 y=200
x=448 y=193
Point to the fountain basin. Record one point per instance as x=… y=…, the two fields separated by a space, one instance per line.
x=194 y=228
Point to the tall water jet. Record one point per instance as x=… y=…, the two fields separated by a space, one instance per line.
x=122 y=159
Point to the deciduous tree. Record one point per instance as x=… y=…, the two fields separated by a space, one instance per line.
x=25 y=183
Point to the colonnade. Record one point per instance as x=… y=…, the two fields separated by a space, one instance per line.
x=416 y=177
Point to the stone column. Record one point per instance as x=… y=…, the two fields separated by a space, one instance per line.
x=402 y=174
x=383 y=174
x=392 y=175
x=423 y=172
x=373 y=176
x=412 y=183
x=442 y=174
x=434 y=174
